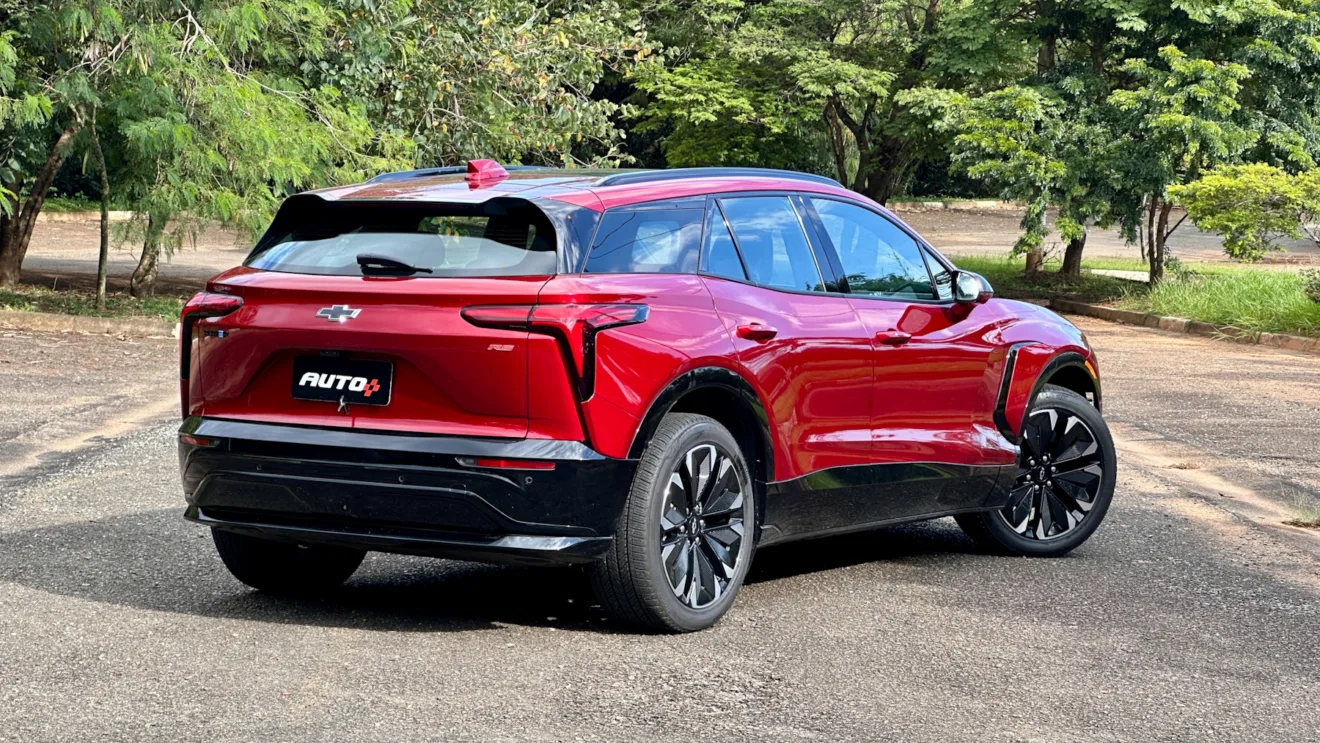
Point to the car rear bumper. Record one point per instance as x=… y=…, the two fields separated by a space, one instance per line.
x=403 y=493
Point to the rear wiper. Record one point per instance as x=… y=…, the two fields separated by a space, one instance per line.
x=379 y=265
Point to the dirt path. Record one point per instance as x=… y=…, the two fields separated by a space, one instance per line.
x=63 y=391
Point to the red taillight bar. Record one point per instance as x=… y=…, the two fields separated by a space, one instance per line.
x=202 y=304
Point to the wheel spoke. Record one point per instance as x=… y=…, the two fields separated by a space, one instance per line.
x=1043 y=518
x=1035 y=434
x=1019 y=508
x=678 y=565
x=1075 y=440
x=724 y=495
x=1070 y=501
x=1090 y=457
x=1080 y=489
x=1059 y=521
x=708 y=582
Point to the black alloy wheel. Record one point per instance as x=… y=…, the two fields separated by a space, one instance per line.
x=1064 y=482
x=1060 y=471
x=687 y=534
x=702 y=526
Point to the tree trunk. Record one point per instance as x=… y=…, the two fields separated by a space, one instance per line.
x=103 y=258
x=893 y=162
x=1157 y=244
x=16 y=230
x=1072 y=256
x=143 y=282
x=1035 y=260
x=1149 y=243
x=838 y=140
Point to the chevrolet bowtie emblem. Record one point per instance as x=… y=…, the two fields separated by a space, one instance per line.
x=339 y=313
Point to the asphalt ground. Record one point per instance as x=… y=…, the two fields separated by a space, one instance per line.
x=1191 y=615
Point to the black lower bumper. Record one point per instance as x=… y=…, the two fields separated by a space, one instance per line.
x=403 y=493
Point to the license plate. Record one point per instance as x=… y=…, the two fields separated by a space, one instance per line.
x=349 y=381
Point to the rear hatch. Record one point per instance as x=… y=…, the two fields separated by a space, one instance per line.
x=317 y=342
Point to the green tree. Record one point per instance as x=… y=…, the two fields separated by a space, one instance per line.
x=214 y=121
x=1141 y=95
x=505 y=79
x=1253 y=206
x=836 y=86
x=49 y=53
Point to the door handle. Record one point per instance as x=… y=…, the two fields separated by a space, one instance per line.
x=893 y=337
x=757 y=332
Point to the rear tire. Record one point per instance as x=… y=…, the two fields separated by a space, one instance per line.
x=283 y=567
x=686 y=537
x=1064 y=482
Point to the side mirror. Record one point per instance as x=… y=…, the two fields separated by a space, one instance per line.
x=971 y=288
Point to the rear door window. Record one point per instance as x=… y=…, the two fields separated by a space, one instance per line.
x=647 y=241
x=491 y=239
x=773 y=245
x=878 y=257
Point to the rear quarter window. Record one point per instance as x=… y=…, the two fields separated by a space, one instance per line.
x=647 y=241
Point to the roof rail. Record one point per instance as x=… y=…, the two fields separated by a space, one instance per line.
x=649 y=176
x=403 y=175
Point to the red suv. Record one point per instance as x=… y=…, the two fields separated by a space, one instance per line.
x=652 y=373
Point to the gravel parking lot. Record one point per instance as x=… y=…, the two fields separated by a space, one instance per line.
x=1190 y=616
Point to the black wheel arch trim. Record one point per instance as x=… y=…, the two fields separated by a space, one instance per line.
x=1059 y=361
x=707 y=377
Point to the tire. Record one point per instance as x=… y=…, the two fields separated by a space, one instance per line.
x=1067 y=472
x=666 y=569
x=284 y=567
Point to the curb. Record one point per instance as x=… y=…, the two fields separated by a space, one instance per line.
x=1191 y=327
x=115 y=216
x=50 y=322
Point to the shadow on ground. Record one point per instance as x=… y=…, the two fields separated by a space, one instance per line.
x=153 y=560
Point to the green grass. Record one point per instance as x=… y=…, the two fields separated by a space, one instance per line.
x=69 y=302
x=1261 y=301
x=63 y=204
x=1223 y=294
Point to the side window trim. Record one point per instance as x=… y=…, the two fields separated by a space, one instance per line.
x=713 y=212
x=916 y=239
x=836 y=282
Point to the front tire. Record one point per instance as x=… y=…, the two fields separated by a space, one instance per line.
x=1064 y=483
x=284 y=567
x=686 y=537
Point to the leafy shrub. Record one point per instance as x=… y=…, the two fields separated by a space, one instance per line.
x=1311 y=284
x=1251 y=205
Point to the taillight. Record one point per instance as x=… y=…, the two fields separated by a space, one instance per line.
x=574 y=325
x=202 y=305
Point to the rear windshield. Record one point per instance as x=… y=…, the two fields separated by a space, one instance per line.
x=498 y=238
